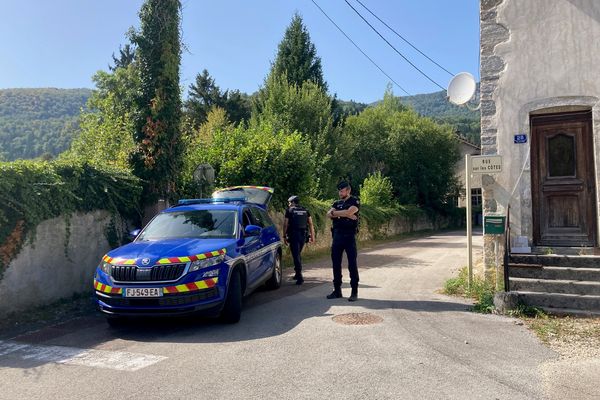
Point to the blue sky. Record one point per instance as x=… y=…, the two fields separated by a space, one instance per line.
x=62 y=43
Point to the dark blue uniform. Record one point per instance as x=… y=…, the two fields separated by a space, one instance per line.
x=344 y=239
x=297 y=229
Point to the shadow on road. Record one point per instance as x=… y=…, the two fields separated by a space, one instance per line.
x=265 y=313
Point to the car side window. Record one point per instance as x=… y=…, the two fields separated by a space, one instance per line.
x=258 y=217
x=267 y=221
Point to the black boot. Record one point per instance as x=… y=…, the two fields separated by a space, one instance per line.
x=297 y=276
x=336 y=294
x=353 y=295
x=299 y=279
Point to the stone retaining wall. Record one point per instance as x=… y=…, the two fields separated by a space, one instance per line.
x=61 y=259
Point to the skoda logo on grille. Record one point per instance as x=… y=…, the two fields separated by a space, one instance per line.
x=145 y=261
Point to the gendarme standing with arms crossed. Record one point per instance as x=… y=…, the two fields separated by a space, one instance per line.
x=344 y=214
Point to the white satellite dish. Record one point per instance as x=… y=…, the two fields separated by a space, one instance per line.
x=461 y=88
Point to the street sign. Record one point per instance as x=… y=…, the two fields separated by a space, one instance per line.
x=520 y=138
x=486 y=164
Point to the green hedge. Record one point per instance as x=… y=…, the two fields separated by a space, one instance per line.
x=34 y=191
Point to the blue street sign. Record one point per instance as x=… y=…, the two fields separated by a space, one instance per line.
x=521 y=138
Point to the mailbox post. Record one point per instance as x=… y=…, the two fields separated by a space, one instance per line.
x=477 y=165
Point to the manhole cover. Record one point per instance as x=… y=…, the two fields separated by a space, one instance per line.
x=357 y=319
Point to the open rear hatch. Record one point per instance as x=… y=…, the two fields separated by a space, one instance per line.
x=260 y=195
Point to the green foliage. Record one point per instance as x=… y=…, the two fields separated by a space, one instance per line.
x=525 y=311
x=377 y=190
x=195 y=143
x=318 y=210
x=481 y=291
x=343 y=109
x=204 y=94
x=107 y=124
x=34 y=122
x=465 y=122
x=430 y=104
x=257 y=155
x=157 y=157
x=417 y=154
x=305 y=109
x=297 y=57
x=34 y=191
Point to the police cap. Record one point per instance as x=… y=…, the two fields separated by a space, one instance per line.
x=343 y=185
x=294 y=199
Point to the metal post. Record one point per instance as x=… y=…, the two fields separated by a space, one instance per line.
x=469 y=218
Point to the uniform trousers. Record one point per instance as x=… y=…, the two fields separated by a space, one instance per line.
x=344 y=241
x=296 y=241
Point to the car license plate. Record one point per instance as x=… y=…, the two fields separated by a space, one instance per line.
x=143 y=292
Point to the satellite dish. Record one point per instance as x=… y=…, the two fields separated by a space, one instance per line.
x=461 y=88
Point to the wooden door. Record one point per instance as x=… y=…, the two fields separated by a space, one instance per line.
x=563 y=180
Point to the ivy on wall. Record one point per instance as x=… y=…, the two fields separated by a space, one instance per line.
x=34 y=191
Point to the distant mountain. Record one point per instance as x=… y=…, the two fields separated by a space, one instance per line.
x=42 y=122
x=38 y=122
x=434 y=105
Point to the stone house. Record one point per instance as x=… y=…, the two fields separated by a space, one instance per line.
x=464 y=148
x=540 y=110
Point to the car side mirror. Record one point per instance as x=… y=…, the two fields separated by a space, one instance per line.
x=252 y=230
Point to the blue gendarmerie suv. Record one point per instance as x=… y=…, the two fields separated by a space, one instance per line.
x=200 y=256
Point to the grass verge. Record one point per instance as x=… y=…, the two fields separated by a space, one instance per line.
x=480 y=291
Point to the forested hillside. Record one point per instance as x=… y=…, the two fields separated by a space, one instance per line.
x=435 y=105
x=43 y=122
x=38 y=122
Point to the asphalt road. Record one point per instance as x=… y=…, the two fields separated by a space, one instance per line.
x=293 y=343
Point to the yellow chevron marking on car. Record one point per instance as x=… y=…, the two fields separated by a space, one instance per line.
x=101 y=287
x=173 y=260
x=192 y=286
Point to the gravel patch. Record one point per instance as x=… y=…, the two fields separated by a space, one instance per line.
x=571 y=338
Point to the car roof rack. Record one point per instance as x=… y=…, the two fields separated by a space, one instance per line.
x=185 y=202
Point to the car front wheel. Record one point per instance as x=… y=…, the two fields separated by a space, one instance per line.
x=232 y=310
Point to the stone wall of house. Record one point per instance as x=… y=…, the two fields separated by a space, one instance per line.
x=537 y=56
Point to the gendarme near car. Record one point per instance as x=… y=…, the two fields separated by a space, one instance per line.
x=200 y=256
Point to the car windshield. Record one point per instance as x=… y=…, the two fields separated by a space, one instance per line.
x=203 y=224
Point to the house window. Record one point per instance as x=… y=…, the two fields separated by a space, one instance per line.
x=476 y=197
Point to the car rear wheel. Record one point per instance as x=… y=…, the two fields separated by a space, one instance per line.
x=232 y=310
x=274 y=281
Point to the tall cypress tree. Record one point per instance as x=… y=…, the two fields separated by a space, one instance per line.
x=297 y=56
x=157 y=157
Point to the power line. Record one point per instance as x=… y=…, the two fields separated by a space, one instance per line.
x=359 y=49
x=392 y=46
x=403 y=38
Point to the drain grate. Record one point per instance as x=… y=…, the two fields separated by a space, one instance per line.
x=357 y=319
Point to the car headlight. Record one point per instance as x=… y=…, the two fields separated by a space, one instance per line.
x=105 y=267
x=207 y=262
